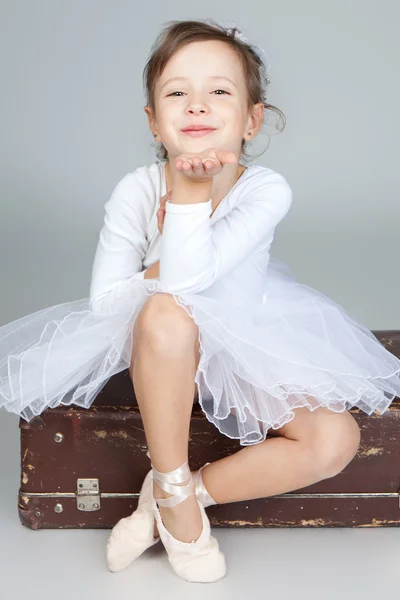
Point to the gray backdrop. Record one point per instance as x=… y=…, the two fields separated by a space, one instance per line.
x=73 y=124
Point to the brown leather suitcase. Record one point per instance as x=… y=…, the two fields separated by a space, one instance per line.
x=83 y=468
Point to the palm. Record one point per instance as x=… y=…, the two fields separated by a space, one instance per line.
x=203 y=166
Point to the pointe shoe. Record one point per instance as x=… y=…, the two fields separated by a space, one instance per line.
x=200 y=560
x=132 y=535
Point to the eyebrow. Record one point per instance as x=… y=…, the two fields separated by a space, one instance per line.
x=184 y=78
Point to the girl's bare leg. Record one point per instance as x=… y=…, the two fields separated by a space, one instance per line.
x=163 y=369
x=314 y=446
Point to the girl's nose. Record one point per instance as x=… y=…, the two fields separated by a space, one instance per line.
x=196 y=110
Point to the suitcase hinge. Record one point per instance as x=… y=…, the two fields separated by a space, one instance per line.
x=88 y=494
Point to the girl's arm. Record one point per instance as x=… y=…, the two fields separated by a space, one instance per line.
x=195 y=254
x=122 y=242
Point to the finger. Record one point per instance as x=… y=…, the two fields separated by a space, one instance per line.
x=161 y=214
x=164 y=199
x=180 y=160
x=166 y=196
x=187 y=166
x=226 y=156
x=160 y=220
x=184 y=163
x=198 y=165
x=210 y=164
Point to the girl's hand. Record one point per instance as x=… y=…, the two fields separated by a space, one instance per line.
x=205 y=165
x=161 y=211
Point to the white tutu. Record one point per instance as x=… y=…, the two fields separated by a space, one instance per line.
x=297 y=349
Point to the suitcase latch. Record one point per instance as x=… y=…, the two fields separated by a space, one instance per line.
x=88 y=494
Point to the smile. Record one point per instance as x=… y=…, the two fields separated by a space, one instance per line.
x=198 y=133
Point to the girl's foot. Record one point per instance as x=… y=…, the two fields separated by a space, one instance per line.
x=132 y=535
x=196 y=556
x=183 y=521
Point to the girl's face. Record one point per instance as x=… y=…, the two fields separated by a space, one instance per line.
x=203 y=84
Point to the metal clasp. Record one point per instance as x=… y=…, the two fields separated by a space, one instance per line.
x=88 y=494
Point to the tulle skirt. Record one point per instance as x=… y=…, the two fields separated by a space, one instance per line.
x=257 y=363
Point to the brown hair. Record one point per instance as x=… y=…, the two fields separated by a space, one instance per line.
x=177 y=34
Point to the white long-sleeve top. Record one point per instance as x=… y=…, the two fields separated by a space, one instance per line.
x=223 y=255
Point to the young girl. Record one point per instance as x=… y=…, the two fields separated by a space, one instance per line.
x=185 y=295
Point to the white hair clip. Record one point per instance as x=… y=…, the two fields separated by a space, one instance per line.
x=238 y=34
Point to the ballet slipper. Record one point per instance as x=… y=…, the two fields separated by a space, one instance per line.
x=132 y=535
x=200 y=560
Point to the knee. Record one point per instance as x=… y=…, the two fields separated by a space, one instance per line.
x=161 y=320
x=337 y=446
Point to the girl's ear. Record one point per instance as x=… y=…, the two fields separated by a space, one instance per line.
x=256 y=119
x=150 y=117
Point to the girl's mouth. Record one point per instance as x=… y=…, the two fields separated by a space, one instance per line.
x=198 y=133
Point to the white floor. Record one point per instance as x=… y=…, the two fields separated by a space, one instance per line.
x=292 y=564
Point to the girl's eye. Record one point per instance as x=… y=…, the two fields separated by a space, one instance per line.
x=173 y=93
